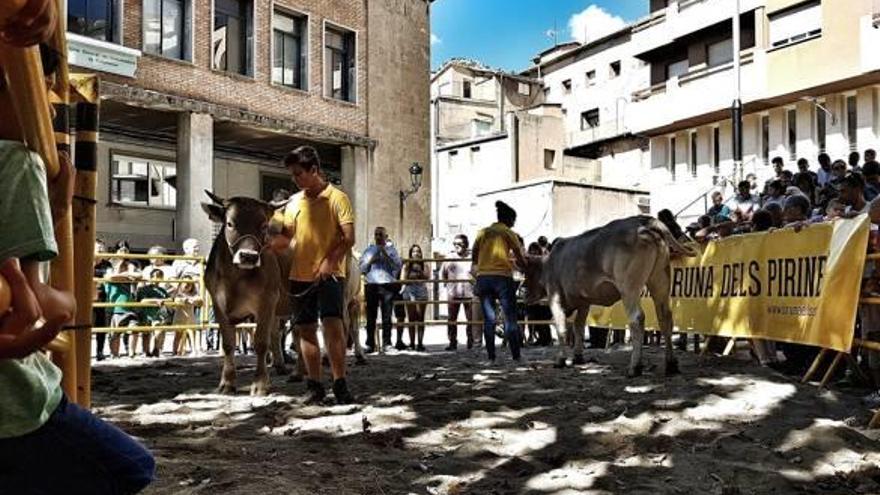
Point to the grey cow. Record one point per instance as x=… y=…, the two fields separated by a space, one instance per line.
x=602 y=266
x=245 y=281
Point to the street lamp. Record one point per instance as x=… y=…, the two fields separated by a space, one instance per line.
x=415 y=178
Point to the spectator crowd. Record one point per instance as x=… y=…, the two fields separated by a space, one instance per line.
x=797 y=199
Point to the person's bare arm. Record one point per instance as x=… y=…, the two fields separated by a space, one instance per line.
x=18 y=338
x=343 y=245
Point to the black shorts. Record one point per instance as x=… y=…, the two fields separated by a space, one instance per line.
x=312 y=300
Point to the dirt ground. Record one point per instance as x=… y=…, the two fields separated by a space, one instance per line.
x=439 y=423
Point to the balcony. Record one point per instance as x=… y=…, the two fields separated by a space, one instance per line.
x=684 y=17
x=701 y=91
x=591 y=135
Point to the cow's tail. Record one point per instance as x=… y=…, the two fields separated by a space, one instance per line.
x=656 y=231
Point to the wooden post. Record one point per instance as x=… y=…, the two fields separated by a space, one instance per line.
x=731 y=345
x=831 y=369
x=84 y=233
x=875 y=421
x=815 y=366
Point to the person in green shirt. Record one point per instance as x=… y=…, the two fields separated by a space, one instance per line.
x=47 y=444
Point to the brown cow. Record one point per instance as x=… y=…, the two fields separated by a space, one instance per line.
x=602 y=266
x=245 y=282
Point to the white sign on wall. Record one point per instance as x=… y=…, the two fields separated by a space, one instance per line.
x=99 y=55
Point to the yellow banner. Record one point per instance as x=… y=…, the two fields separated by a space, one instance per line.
x=801 y=287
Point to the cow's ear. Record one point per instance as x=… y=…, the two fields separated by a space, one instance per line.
x=216 y=213
x=216 y=199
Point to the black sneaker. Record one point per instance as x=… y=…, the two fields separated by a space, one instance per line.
x=315 y=393
x=400 y=345
x=340 y=391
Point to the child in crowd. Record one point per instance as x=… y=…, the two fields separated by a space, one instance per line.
x=47 y=444
x=188 y=300
x=154 y=292
x=120 y=290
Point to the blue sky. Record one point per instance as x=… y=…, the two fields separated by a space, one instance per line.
x=507 y=33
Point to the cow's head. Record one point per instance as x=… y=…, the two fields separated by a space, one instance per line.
x=245 y=226
x=534 y=278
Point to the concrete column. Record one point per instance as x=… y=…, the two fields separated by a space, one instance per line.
x=752 y=142
x=865 y=105
x=807 y=146
x=778 y=133
x=355 y=176
x=835 y=141
x=195 y=173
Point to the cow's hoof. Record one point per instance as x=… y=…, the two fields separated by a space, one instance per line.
x=226 y=389
x=672 y=368
x=579 y=359
x=560 y=363
x=635 y=371
x=259 y=389
x=360 y=360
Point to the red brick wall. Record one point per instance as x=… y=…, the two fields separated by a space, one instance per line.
x=198 y=81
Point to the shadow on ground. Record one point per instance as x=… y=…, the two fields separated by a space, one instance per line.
x=439 y=423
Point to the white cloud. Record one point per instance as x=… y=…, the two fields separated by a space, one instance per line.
x=593 y=23
x=435 y=40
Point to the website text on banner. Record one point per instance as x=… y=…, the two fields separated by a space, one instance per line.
x=801 y=287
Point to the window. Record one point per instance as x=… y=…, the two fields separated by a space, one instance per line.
x=693 y=162
x=591 y=77
x=289 y=56
x=672 y=159
x=549 y=159
x=677 y=69
x=615 y=69
x=716 y=149
x=340 y=70
x=852 y=122
x=466 y=89
x=590 y=119
x=821 y=129
x=143 y=182
x=567 y=85
x=720 y=53
x=94 y=18
x=765 y=138
x=166 y=28
x=233 y=33
x=796 y=24
x=480 y=127
x=791 y=123
x=524 y=89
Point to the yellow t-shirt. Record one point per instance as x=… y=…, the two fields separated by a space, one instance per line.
x=316 y=227
x=495 y=243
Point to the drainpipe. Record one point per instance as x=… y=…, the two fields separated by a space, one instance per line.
x=513 y=135
x=501 y=101
x=736 y=109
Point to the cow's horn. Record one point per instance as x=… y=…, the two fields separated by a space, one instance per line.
x=216 y=199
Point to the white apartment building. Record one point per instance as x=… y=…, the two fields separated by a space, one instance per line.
x=494 y=137
x=594 y=84
x=810 y=76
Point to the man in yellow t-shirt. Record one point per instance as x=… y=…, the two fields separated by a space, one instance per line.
x=492 y=261
x=319 y=226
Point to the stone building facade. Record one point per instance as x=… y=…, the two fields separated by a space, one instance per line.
x=201 y=94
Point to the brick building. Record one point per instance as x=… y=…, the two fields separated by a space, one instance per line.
x=200 y=94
